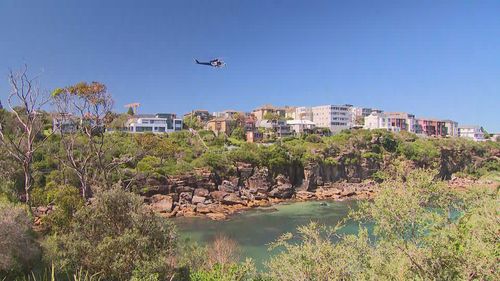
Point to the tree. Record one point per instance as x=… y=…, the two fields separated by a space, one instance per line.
x=26 y=135
x=87 y=106
x=130 y=111
x=116 y=236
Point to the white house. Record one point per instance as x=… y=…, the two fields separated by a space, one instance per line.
x=334 y=117
x=300 y=126
x=474 y=133
x=391 y=121
x=158 y=123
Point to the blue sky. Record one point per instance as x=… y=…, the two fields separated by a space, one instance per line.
x=431 y=58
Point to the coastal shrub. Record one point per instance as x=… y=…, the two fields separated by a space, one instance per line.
x=314 y=139
x=421 y=231
x=67 y=201
x=239 y=134
x=114 y=236
x=18 y=249
x=424 y=153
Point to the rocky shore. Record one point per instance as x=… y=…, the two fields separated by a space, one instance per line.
x=198 y=194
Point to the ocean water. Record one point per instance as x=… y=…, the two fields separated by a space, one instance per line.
x=255 y=229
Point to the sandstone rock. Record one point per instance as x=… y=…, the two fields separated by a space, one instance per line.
x=218 y=195
x=227 y=186
x=201 y=192
x=185 y=197
x=283 y=189
x=198 y=199
x=161 y=203
x=348 y=191
x=204 y=209
x=216 y=216
x=304 y=195
x=233 y=199
x=259 y=181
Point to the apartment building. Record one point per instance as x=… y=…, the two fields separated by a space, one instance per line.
x=303 y=113
x=334 y=117
x=155 y=123
x=430 y=127
x=451 y=128
x=391 y=121
x=475 y=133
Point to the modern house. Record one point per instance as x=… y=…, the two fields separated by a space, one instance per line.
x=358 y=114
x=227 y=113
x=334 y=117
x=200 y=114
x=221 y=125
x=391 y=121
x=475 y=133
x=301 y=126
x=155 y=123
x=431 y=127
x=277 y=128
x=64 y=123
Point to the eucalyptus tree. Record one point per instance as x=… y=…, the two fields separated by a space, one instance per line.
x=25 y=133
x=83 y=110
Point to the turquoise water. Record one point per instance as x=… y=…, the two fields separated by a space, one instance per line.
x=255 y=229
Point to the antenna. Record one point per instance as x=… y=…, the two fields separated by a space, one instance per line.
x=133 y=105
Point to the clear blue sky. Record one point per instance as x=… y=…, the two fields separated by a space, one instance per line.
x=431 y=58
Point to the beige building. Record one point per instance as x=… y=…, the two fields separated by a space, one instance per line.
x=334 y=117
x=220 y=125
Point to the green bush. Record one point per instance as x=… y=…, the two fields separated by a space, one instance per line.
x=19 y=251
x=115 y=236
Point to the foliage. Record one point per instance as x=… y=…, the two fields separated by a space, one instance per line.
x=18 y=247
x=422 y=152
x=115 y=235
x=422 y=231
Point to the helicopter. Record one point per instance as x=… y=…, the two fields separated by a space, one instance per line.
x=214 y=63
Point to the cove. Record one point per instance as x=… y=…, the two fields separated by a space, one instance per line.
x=255 y=229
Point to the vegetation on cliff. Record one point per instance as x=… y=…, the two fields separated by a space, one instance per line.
x=83 y=193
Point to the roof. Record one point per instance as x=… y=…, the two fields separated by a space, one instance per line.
x=469 y=127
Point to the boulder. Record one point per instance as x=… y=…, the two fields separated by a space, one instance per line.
x=228 y=186
x=162 y=203
x=233 y=199
x=201 y=192
x=185 y=197
x=283 y=189
x=197 y=199
x=218 y=195
x=203 y=209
